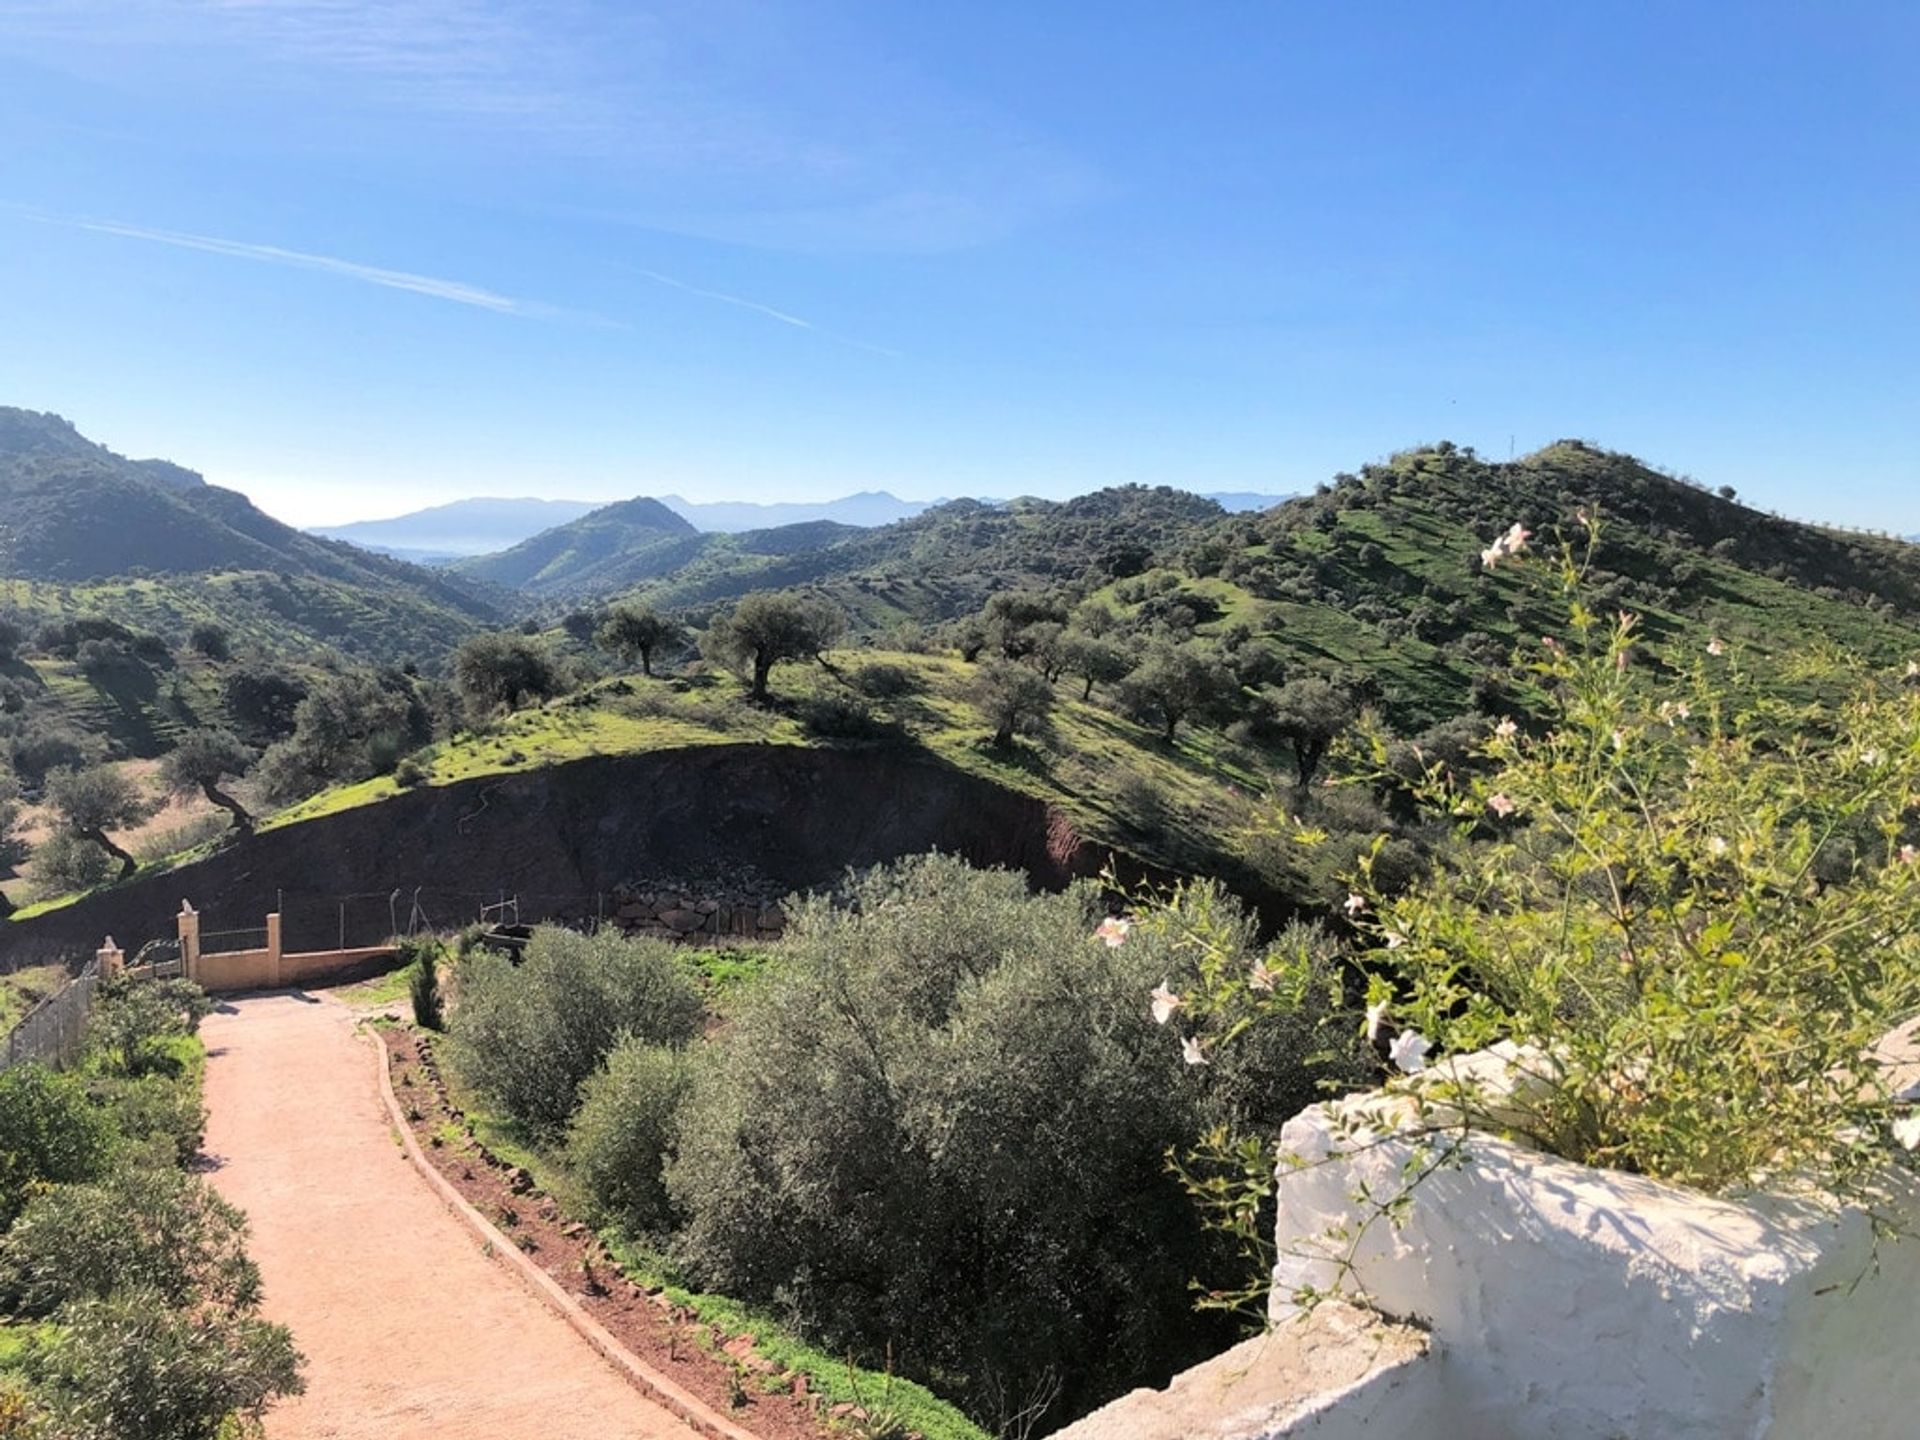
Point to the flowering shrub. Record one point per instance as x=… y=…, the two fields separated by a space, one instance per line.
x=1695 y=901
x=1688 y=898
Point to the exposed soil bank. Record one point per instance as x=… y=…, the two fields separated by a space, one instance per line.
x=562 y=838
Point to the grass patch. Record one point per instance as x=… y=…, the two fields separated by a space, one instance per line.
x=387 y=989
x=916 y=1408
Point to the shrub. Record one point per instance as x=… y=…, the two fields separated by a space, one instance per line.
x=153 y=1110
x=64 y=863
x=625 y=1130
x=423 y=985
x=49 y=1135
x=143 y=1228
x=503 y=672
x=210 y=640
x=940 y=1126
x=841 y=717
x=884 y=680
x=527 y=1036
x=409 y=773
x=133 y=1018
x=132 y=1368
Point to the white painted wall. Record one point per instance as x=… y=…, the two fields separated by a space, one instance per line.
x=1581 y=1304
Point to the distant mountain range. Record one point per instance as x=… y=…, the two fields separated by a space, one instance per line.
x=485 y=526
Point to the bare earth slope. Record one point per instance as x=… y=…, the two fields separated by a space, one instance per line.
x=408 y=1329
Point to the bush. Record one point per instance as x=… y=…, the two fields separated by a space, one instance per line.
x=49 y=1135
x=841 y=717
x=423 y=985
x=939 y=1129
x=625 y=1130
x=133 y=1018
x=142 y=1229
x=528 y=1036
x=153 y=1111
x=409 y=773
x=64 y=863
x=884 y=680
x=503 y=672
x=132 y=1368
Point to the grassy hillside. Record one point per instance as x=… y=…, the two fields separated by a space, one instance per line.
x=86 y=528
x=604 y=550
x=946 y=561
x=1119 y=782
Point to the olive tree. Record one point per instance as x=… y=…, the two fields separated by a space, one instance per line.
x=1175 y=682
x=939 y=1130
x=503 y=672
x=635 y=632
x=1012 y=698
x=89 y=804
x=770 y=627
x=203 y=761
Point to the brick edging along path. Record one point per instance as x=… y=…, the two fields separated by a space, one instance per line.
x=503 y=1251
x=410 y=1332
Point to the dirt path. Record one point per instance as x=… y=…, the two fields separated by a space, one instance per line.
x=408 y=1329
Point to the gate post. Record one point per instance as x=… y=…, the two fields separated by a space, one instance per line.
x=189 y=923
x=273 y=950
x=112 y=959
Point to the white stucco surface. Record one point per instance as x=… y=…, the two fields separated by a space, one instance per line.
x=1341 y=1374
x=1583 y=1304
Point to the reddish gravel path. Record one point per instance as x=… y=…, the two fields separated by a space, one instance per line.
x=409 y=1331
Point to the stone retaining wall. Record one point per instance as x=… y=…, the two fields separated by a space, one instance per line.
x=679 y=915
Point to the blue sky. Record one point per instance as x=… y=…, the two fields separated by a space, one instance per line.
x=352 y=256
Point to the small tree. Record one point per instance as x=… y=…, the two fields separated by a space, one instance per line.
x=635 y=632
x=1177 y=681
x=1013 y=700
x=201 y=761
x=423 y=984
x=210 y=640
x=771 y=627
x=503 y=672
x=89 y=803
x=1311 y=713
x=1094 y=660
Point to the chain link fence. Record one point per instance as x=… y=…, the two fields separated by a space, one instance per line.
x=54 y=1030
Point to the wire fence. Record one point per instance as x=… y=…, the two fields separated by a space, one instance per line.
x=54 y=1030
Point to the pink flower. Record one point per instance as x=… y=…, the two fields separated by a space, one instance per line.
x=1394 y=939
x=1192 y=1051
x=1165 y=1002
x=1908 y=854
x=1260 y=978
x=1113 y=930
x=1355 y=904
x=1715 y=648
x=1506 y=729
x=1501 y=805
x=1490 y=557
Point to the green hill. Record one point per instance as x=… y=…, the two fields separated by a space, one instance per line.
x=152 y=545
x=604 y=550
